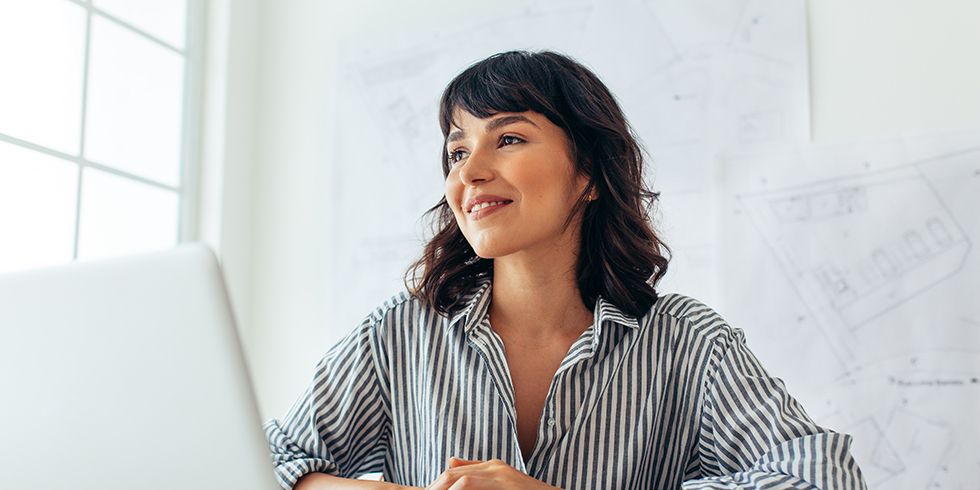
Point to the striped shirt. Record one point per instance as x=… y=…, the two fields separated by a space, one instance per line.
x=671 y=399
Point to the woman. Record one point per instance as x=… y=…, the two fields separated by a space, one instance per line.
x=533 y=350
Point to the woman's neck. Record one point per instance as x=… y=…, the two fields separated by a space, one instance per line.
x=537 y=299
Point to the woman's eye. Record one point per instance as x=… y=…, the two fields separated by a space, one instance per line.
x=510 y=140
x=456 y=155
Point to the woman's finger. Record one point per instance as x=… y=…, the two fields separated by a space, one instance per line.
x=474 y=483
x=455 y=462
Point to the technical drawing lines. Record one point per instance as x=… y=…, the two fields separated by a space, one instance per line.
x=861 y=246
x=913 y=419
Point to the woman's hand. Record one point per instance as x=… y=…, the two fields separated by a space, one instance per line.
x=490 y=475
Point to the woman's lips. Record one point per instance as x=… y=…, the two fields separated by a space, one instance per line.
x=478 y=215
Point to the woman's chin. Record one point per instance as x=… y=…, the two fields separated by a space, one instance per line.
x=491 y=252
x=485 y=255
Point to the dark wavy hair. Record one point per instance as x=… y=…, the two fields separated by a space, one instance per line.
x=621 y=257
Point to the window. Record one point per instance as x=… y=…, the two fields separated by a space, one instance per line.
x=95 y=112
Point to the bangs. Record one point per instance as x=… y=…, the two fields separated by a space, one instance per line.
x=506 y=82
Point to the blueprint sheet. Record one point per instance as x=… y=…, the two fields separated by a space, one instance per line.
x=854 y=271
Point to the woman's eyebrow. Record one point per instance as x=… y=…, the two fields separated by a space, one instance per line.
x=455 y=135
x=505 y=120
x=492 y=125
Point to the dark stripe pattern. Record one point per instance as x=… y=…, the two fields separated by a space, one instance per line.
x=673 y=399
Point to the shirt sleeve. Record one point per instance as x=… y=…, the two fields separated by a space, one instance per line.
x=755 y=435
x=340 y=424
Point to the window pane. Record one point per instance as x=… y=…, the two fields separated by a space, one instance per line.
x=163 y=19
x=121 y=216
x=37 y=208
x=135 y=104
x=42 y=45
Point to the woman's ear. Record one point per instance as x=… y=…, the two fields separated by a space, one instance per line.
x=593 y=192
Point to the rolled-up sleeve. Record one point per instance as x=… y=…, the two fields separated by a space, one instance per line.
x=753 y=434
x=341 y=423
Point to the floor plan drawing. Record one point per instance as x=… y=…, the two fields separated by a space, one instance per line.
x=913 y=419
x=877 y=261
x=863 y=264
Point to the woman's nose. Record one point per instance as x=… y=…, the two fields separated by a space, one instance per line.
x=477 y=167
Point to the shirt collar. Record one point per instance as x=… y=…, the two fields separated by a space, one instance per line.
x=475 y=305
x=477 y=301
x=606 y=312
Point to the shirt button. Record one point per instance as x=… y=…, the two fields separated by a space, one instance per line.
x=551 y=421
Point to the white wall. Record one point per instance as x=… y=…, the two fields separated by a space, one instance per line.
x=882 y=67
x=878 y=68
x=228 y=124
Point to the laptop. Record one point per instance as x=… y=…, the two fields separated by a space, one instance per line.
x=126 y=373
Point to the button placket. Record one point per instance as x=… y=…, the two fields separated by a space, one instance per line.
x=550 y=432
x=490 y=348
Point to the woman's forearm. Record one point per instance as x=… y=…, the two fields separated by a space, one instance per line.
x=323 y=481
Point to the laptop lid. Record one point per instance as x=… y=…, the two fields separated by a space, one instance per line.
x=126 y=373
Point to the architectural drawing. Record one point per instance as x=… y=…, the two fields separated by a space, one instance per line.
x=872 y=248
x=887 y=237
x=913 y=419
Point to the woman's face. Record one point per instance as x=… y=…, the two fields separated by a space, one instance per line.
x=522 y=159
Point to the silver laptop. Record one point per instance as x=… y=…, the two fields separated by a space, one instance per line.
x=126 y=374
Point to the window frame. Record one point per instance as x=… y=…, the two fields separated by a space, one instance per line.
x=191 y=113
